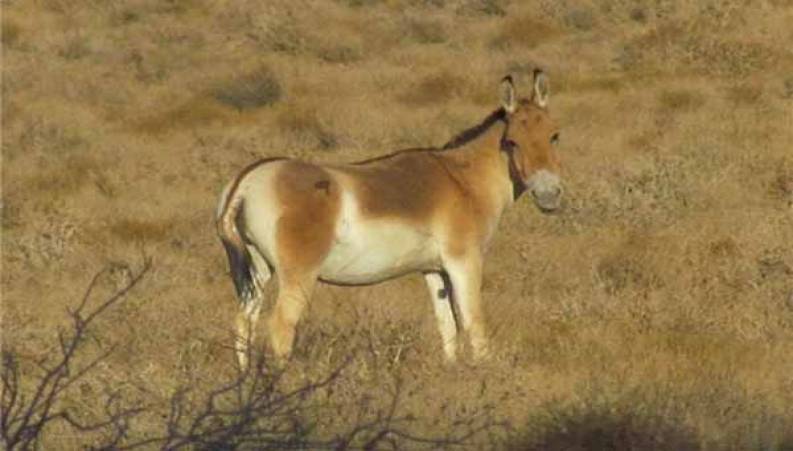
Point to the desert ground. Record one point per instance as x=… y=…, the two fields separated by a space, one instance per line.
x=654 y=311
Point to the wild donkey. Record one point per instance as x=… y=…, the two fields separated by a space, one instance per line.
x=431 y=210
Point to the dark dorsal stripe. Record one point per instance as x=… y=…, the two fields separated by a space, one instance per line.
x=392 y=154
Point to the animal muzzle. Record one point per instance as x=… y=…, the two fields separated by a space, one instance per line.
x=546 y=190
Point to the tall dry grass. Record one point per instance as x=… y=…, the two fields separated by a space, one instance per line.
x=655 y=312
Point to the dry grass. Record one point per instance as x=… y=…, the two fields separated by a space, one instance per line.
x=654 y=312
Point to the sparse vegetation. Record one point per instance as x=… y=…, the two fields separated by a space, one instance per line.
x=677 y=101
x=10 y=33
x=523 y=32
x=257 y=89
x=654 y=312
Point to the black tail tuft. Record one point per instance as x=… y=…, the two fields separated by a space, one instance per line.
x=240 y=265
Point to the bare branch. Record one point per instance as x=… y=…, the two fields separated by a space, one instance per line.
x=22 y=421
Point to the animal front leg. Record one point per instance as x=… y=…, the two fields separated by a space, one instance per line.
x=465 y=273
x=441 y=295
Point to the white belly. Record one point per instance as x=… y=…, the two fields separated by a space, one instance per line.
x=370 y=251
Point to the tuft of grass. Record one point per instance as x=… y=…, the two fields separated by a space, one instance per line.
x=606 y=428
x=10 y=33
x=609 y=83
x=483 y=7
x=360 y=3
x=427 y=32
x=284 y=37
x=434 y=89
x=304 y=123
x=179 y=7
x=340 y=54
x=680 y=100
x=580 y=19
x=621 y=272
x=254 y=90
x=745 y=94
x=9 y=215
x=140 y=230
x=72 y=174
x=638 y=14
x=704 y=52
x=198 y=111
x=788 y=88
x=727 y=57
x=782 y=185
x=75 y=48
x=523 y=32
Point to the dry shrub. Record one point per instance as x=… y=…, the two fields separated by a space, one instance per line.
x=728 y=57
x=581 y=19
x=694 y=48
x=434 y=89
x=606 y=417
x=75 y=47
x=782 y=184
x=341 y=53
x=256 y=89
x=523 y=32
x=644 y=51
x=680 y=100
x=141 y=230
x=302 y=121
x=604 y=428
x=629 y=267
x=360 y=3
x=573 y=84
x=425 y=31
x=197 y=112
x=177 y=7
x=284 y=37
x=10 y=33
x=788 y=88
x=483 y=7
x=745 y=94
x=71 y=174
x=620 y=272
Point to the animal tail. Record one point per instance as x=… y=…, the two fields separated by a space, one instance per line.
x=229 y=224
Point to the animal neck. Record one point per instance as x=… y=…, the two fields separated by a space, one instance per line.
x=479 y=164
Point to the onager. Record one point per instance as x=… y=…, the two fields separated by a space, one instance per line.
x=430 y=210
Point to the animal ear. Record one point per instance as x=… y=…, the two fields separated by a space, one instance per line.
x=508 y=101
x=542 y=88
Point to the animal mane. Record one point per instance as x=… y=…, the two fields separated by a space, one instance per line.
x=474 y=132
x=458 y=140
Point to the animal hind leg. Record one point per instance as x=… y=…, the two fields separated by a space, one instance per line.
x=250 y=310
x=441 y=294
x=293 y=296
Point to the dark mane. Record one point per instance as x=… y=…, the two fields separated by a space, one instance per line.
x=460 y=139
x=474 y=132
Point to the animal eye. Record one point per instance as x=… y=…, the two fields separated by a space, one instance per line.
x=555 y=139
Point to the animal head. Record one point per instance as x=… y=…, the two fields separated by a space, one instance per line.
x=530 y=140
